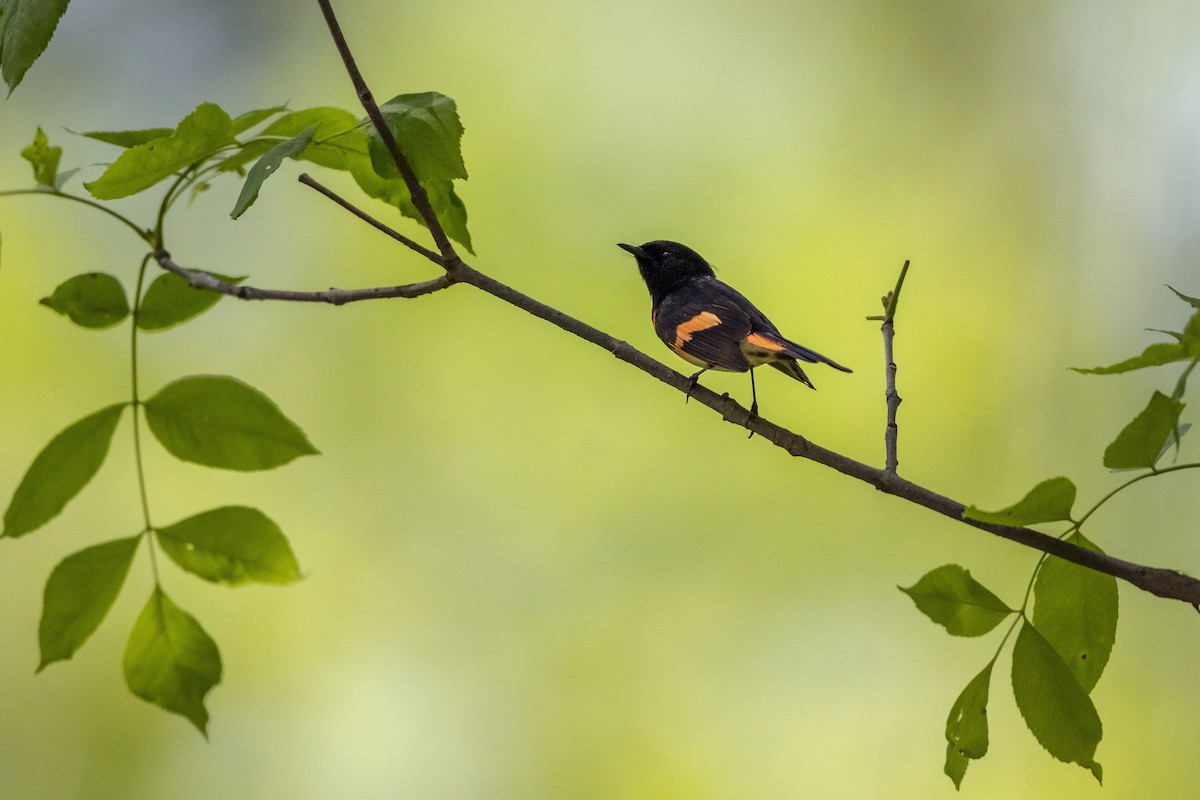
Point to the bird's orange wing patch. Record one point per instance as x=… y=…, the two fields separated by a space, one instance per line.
x=701 y=322
x=764 y=342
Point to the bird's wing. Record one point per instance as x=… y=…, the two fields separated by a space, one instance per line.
x=704 y=328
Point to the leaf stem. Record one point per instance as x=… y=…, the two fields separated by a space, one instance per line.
x=142 y=234
x=139 y=467
x=1131 y=482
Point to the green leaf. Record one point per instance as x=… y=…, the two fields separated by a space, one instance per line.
x=447 y=206
x=1153 y=356
x=266 y=166
x=1142 y=441
x=43 y=158
x=221 y=422
x=1194 y=302
x=170 y=300
x=25 y=29
x=1057 y=710
x=171 y=661
x=60 y=471
x=129 y=138
x=1076 y=611
x=199 y=135
x=336 y=134
x=429 y=132
x=967 y=726
x=231 y=545
x=93 y=300
x=1049 y=501
x=950 y=597
x=244 y=122
x=78 y=595
x=249 y=152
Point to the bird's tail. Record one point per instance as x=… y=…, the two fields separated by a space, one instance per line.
x=789 y=367
x=802 y=353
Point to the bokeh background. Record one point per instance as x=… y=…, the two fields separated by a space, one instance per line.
x=533 y=572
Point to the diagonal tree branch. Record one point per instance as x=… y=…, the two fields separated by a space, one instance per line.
x=1161 y=582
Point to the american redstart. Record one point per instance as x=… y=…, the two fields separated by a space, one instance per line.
x=709 y=323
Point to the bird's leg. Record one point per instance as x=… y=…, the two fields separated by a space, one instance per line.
x=753 y=403
x=692 y=384
x=753 y=397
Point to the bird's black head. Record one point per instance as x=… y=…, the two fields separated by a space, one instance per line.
x=666 y=265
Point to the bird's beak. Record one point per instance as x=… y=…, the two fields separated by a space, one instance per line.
x=632 y=248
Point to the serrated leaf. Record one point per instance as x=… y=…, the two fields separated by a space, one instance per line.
x=43 y=158
x=953 y=599
x=265 y=167
x=171 y=300
x=244 y=122
x=199 y=135
x=1153 y=356
x=429 y=132
x=1142 y=441
x=129 y=139
x=26 y=27
x=171 y=661
x=60 y=471
x=967 y=726
x=92 y=300
x=78 y=595
x=1076 y=612
x=1049 y=501
x=231 y=545
x=221 y=422
x=1057 y=710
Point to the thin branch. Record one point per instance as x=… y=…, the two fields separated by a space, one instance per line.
x=337 y=297
x=416 y=191
x=309 y=181
x=891 y=433
x=1162 y=582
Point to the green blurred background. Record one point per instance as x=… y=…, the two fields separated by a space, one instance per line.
x=533 y=572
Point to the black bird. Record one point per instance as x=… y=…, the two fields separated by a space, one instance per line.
x=709 y=323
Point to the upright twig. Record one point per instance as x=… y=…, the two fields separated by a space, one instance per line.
x=891 y=433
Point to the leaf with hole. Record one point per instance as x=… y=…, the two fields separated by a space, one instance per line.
x=265 y=167
x=1076 y=611
x=1056 y=708
x=967 y=726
